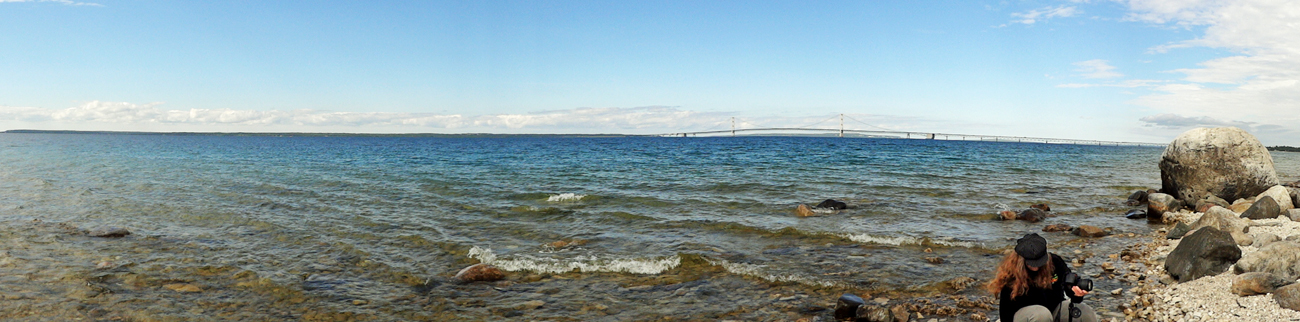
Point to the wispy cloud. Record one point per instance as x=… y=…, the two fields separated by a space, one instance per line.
x=1131 y=83
x=1097 y=68
x=1175 y=121
x=100 y=115
x=65 y=2
x=1033 y=16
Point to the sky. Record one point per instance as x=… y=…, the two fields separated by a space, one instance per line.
x=1136 y=70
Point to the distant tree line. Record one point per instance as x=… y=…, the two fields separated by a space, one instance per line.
x=1284 y=148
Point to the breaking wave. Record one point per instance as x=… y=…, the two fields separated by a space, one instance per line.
x=900 y=241
x=565 y=197
x=584 y=263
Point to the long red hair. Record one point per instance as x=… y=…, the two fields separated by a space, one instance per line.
x=1012 y=273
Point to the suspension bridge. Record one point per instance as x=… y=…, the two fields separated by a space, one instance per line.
x=880 y=132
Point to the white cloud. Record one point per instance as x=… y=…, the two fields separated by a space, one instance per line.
x=1033 y=16
x=1097 y=68
x=1131 y=83
x=1261 y=83
x=123 y=116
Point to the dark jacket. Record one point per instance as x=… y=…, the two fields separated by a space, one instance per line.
x=1048 y=298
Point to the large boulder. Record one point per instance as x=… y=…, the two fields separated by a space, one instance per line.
x=1225 y=220
x=1206 y=252
x=1225 y=161
x=1281 y=258
x=1157 y=205
x=1264 y=208
x=1256 y=283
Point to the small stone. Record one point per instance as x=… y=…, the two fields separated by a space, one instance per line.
x=360 y=302
x=1056 y=228
x=1117 y=291
x=109 y=232
x=183 y=288
x=1089 y=231
x=934 y=260
x=533 y=305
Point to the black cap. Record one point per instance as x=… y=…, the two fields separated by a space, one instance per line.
x=1034 y=249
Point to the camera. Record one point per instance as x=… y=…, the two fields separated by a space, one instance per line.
x=1073 y=279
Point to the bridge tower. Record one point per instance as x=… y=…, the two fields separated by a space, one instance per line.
x=733 y=126
x=841 y=124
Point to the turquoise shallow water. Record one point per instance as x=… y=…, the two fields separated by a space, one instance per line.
x=638 y=204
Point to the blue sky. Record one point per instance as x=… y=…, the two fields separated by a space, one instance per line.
x=1111 y=70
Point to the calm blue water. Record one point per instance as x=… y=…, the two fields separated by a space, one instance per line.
x=424 y=204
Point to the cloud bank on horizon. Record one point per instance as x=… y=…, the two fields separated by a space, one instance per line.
x=1250 y=79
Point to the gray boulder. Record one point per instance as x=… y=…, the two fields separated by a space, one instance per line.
x=1227 y=162
x=1256 y=283
x=1180 y=229
x=1264 y=208
x=1281 y=258
x=1281 y=195
x=1288 y=296
x=1157 y=205
x=1223 y=219
x=1206 y=252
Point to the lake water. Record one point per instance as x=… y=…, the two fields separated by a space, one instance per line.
x=345 y=219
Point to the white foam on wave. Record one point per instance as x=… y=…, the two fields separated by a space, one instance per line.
x=584 y=263
x=758 y=271
x=899 y=241
x=565 y=197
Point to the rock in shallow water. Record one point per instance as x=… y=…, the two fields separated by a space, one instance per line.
x=110 y=232
x=479 y=272
x=1089 y=231
x=1057 y=227
x=1136 y=214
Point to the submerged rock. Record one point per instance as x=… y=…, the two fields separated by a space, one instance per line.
x=1206 y=252
x=1057 y=227
x=1042 y=206
x=1032 y=215
x=1089 y=231
x=804 y=211
x=479 y=272
x=109 y=232
x=833 y=204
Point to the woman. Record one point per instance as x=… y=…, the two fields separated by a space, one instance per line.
x=1030 y=286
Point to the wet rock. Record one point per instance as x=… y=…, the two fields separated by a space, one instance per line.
x=1032 y=215
x=109 y=232
x=1157 y=205
x=183 y=288
x=1137 y=198
x=832 y=204
x=567 y=243
x=804 y=211
x=1088 y=231
x=847 y=307
x=1256 y=283
x=934 y=260
x=1208 y=251
x=1227 y=162
x=1288 y=296
x=1180 y=229
x=1007 y=215
x=1280 y=258
x=900 y=313
x=479 y=272
x=1265 y=208
x=1136 y=214
x=360 y=302
x=1057 y=227
x=1042 y=206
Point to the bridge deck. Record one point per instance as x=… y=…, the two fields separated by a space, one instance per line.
x=914 y=135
